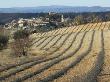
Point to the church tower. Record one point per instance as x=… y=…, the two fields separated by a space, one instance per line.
x=62 y=18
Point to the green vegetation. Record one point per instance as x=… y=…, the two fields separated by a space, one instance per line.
x=3 y=41
x=20 y=34
x=20 y=45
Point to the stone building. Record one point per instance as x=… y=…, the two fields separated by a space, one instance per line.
x=55 y=17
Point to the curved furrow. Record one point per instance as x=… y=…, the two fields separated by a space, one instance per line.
x=9 y=67
x=90 y=29
x=38 y=40
x=80 y=28
x=46 y=42
x=60 y=44
x=58 y=60
x=57 y=46
x=57 y=54
x=74 y=61
x=15 y=65
x=100 y=26
x=63 y=40
x=61 y=31
x=37 y=34
x=88 y=69
x=48 y=46
x=105 y=26
x=66 y=28
x=95 y=26
x=96 y=67
x=41 y=42
x=35 y=41
x=86 y=26
x=57 y=31
x=104 y=76
x=89 y=25
x=66 y=31
x=70 y=29
x=42 y=46
x=53 y=42
x=83 y=27
x=18 y=64
x=46 y=33
x=42 y=34
x=74 y=30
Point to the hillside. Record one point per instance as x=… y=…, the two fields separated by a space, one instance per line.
x=8 y=17
x=54 y=8
x=71 y=54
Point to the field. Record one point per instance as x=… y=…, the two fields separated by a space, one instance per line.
x=71 y=54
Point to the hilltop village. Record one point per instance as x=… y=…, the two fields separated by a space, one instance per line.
x=53 y=20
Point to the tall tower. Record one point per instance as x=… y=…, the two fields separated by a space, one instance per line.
x=62 y=18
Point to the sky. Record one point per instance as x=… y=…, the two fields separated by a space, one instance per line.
x=35 y=3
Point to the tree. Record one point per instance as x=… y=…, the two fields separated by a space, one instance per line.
x=79 y=20
x=21 y=42
x=3 y=38
x=3 y=41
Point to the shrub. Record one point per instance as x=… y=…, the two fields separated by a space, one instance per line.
x=3 y=41
x=21 y=43
x=20 y=34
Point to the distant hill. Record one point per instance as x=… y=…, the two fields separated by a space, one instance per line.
x=54 y=8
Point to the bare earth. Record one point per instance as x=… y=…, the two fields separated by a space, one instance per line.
x=71 y=54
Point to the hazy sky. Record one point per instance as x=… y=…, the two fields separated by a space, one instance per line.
x=34 y=3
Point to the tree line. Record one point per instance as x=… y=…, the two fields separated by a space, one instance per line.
x=90 y=17
x=87 y=17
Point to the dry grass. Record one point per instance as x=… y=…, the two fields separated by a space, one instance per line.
x=70 y=55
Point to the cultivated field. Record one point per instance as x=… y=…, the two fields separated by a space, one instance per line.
x=71 y=54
